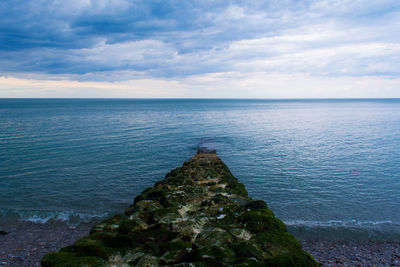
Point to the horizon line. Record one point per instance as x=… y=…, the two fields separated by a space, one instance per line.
x=216 y=98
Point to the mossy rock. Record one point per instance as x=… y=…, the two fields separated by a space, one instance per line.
x=110 y=225
x=240 y=233
x=200 y=215
x=131 y=225
x=213 y=235
x=225 y=221
x=92 y=247
x=147 y=205
x=249 y=249
x=229 y=215
x=262 y=220
x=295 y=259
x=234 y=208
x=238 y=189
x=165 y=215
x=276 y=242
x=248 y=262
x=152 y=193
x=220 y=199
x=214 y=254
x=66 y=259
x=176 y=245
x=176 y=251
x=119 y=241
x=187 y=230
x=157 y=234
x=257 y=205
x=148 y=261
x=150 y=248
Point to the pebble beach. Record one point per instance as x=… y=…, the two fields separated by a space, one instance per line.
x=354 y=252
x=26 y=243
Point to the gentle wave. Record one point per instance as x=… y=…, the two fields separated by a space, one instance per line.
x=346 y=229
x=42 y=217
x=85 y=217
x=339 y=223
x=77 y=160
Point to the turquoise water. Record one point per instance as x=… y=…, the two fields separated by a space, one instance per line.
x=319 y=164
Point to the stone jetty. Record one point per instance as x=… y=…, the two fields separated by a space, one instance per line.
x=199 y=215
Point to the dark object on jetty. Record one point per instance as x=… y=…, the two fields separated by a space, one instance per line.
x=3 y=233
x=199 y=215
x=206 y=146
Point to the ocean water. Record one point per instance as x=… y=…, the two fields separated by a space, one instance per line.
x=325 y=167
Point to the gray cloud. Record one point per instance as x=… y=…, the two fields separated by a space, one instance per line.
x=99 y=39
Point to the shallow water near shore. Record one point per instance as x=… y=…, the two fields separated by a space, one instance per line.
x=327 y=168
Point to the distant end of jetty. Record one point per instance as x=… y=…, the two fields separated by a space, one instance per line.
x=199 y=215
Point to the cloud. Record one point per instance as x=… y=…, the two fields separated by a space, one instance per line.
x=215 y=85
x=141 y=88
x=120 y=40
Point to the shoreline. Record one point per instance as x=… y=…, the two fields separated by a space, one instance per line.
x=27 y=242
x=354 y=252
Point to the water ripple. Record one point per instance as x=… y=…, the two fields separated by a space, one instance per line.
x=316 y=162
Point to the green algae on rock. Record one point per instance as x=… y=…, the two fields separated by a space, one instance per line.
x=199 y=215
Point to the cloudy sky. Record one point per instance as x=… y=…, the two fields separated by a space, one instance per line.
x=207 y=49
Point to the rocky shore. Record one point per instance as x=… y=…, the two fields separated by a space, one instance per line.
x=26 y=244
x=354 y=252
x=199 y=215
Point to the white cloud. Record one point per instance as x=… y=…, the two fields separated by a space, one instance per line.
x=216 y=85
x=349 y=7
x=297 y=85
x=359 y=59
x=74 y=7
x=144 y=52
x=336 y=44
x=143 y=88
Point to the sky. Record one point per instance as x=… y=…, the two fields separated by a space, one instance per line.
x=200 y=49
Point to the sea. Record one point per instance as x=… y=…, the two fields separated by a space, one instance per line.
x=329 y=168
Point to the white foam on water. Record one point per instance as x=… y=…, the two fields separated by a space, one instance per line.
x=341 y=223
x=42 y=217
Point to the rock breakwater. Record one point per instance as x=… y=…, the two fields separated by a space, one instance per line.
x=199 y=215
